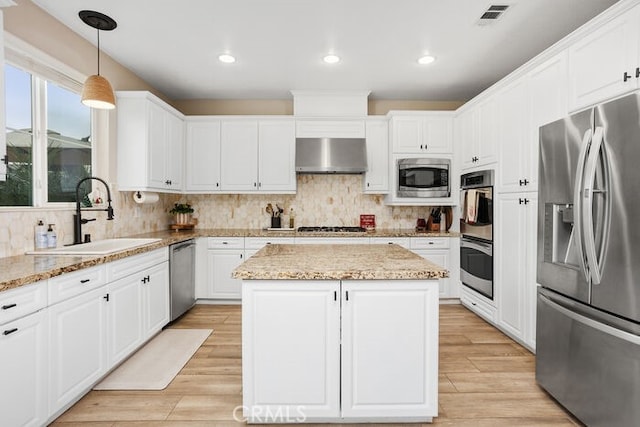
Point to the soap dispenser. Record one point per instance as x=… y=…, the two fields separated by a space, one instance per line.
x=40 y=236
x=52 y=237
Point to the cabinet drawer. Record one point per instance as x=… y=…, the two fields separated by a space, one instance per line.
x=225 y=243
x=71 y=284
x=478 y=306
x=133 y=264
x=260 y=242
x=429 y=242
x=21 y=301
x=405 y=242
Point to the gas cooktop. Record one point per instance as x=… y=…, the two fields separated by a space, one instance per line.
x=337 y=229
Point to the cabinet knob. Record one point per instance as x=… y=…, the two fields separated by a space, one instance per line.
x=421 y=146
x=524 y=182
x=638 y=73
x=85 y=280
x=217 y=184
x=255 y=184
x=10 y=331
x=106 y=297
x=8 y=306
x=625 y=76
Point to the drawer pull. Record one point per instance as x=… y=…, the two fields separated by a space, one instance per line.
x=85 y=280
x=8 y=306
x=431 y=243
x=10 y=331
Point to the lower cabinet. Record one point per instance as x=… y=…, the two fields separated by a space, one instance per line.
x=220 y=264
x=77 y=346
x=331 y=350
x=23 y=350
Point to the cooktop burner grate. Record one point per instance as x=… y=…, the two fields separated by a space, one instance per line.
x=337 y=229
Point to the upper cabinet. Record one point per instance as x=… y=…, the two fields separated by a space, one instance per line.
x=477 y=130
x=324 y=128
x=606 y=62
x=422 y=133
x=202 y=173
x=240 y=155
x=376 y=180
x=150 y=143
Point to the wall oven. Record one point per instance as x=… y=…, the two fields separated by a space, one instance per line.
x=476 y=227
x=423 y=177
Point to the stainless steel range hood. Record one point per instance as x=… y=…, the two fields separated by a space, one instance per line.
x=331 y=155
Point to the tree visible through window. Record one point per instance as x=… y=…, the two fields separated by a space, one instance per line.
x=48 y=136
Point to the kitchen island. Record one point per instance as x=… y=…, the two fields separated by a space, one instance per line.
x=339 y=333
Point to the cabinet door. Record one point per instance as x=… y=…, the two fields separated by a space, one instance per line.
x=77 y=343
x=291 y=349
x=220 y=264
x=597 y=63
x=438 y=135
x=440 y=258
x=203 y=156
x=276 y=156
x=389 y=349
x=530 y=280
x=125 y=318
x=515 y=257
x=155 y=298
x=466 y=137
x=174 y=150
x=157 y=156
x=239 y=156
x=408 y=134
x=513 y=170
x=487 y=142
x=376 y=180
x=23 y=391
x=547 y=102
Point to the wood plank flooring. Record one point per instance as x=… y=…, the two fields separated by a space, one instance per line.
x=486 y=379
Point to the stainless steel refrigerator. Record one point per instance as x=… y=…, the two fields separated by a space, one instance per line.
x=588 y=307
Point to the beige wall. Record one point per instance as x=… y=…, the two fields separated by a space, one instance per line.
x=377 y=107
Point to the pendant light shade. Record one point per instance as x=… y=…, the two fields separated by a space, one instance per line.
x=97 y=91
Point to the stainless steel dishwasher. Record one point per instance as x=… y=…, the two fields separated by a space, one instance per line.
x=182 y=258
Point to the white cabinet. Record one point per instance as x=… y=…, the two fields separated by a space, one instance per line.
x=606 y=62
x=338 y=351
x=276 y=156
x=437 y=250
x=257 y=156
x=323 y=128
x=23 y=391
x=515 y=167
x=291 y=348
x=427 y=133
x=223 y=256
x=376 y=180
x=155 y=299
x=150 y=143
x=386 y=373
x=239 y=155
x=78 y=346
x=254 y=244
x=478 y=134
x=515 y=279
x=332 y=240
x=202 y=171
x=478 y=304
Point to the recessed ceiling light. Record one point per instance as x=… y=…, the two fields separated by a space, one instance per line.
x=427 y=59
x=331 y=59
x=226 y=58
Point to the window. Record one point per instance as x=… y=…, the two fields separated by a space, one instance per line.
x=49 y=145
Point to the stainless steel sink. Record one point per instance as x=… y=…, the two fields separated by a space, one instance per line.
x=99 y=247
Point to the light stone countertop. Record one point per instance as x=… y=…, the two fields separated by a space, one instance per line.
x=21 y=270
x=337 y=262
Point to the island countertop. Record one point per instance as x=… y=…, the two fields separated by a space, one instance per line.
x=337 y=262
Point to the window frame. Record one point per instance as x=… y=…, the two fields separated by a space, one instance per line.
x=43 y=68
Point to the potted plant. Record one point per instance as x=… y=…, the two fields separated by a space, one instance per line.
x=182 y=212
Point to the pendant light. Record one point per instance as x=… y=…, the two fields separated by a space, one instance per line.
x=97 y=91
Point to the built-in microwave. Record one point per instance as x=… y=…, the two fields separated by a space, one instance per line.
x=423 y=177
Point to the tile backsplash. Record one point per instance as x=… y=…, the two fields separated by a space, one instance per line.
x=320 y=200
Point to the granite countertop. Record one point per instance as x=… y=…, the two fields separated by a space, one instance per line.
x=337 y=262
x=21 y=270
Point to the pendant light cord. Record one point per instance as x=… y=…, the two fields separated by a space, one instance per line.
x=98 y=28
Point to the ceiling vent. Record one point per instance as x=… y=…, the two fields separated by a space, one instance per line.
x=492 y=14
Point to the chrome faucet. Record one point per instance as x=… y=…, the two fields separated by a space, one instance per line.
x=77 y=218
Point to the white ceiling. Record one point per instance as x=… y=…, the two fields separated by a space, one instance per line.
x=279 y=44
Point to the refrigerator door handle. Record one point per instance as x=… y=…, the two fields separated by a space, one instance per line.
x=602 y=327
x=588 y=236
x=577 y=200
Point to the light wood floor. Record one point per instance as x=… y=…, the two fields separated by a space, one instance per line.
x=486 y=379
